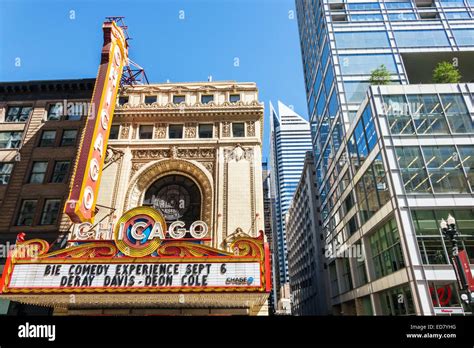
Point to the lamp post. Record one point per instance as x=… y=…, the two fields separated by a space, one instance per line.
x=448 y=227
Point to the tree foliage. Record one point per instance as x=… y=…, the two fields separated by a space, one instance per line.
x=445 y=72
x=380 y=76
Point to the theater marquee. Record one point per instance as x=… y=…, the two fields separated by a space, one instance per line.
x=154 y=261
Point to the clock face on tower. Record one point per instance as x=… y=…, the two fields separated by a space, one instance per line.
x=176 y=197
x=172 y=201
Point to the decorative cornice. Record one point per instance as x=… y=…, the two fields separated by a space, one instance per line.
x=191 y=87
x=197 y=106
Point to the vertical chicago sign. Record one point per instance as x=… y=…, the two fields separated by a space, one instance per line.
x=82 y=199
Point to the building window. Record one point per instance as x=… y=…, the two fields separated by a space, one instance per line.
x=427 y=114
x=363 y=39
x=178 y=99
x=387 y=254
x=397 y=111
x=10 y=140
x=69 y=137
x=71 y=112
x=457 y=15
x=457 y=113
x=372 y=190
x=238 y=129
x=452 y=3
x=355 y=91
x=348 y=202
x=48 y=138
x=373 y=17
x=467 y=160
x=205 y=130
x=346 y=279
x=398 y=5
x=432 y=245
x=55 y=112
x=150 y=99
x=74 y=116
x=206 y=98
x=234 y=98
x=444 y=294
x=464 y=37
x=352 y=225
x=49 y=216
x=38 y=172
x=175 y=131
x=5 y=172
x=413 y=170
x=429 y=237
x=122 y=100
x=60 y=172
x=146 y=132
x=401 y=16
x=363 y=140
x=364 y=6
x=18 y=113
x=27 y=212
x=444 y=169
x=114 y=131
x=333 y=280
x=397 y=301
x=363 y=64
x=361 y=271
x=421 y=38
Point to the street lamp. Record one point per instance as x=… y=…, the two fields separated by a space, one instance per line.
x=448 y=227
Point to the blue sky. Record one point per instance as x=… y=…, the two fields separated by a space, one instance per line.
x=262 y=34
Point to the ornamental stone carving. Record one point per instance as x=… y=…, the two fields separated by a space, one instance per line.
x=238 y=153
x=251 y=128
x=226 y=129
x=125 y=132
x=190 y=130
x=136 y=167
x=151 y=154
x=175 y=152
x=209 y=166
x=160 y=130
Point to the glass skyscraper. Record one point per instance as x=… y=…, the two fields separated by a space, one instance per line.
x=391 y=160
x=290 y=139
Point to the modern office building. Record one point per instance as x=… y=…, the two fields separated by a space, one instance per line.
x=268 y=222
x=391 y=161
x=290 y=139
x=308 y=283
x=187 y=153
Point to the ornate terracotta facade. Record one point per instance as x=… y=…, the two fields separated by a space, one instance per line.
x=225 y=166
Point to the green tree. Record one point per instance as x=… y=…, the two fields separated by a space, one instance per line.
x=445 y=72
x=380 y=76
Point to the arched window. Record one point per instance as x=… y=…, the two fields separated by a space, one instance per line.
x=177 y=197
